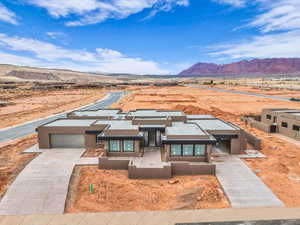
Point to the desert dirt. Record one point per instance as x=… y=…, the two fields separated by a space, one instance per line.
x=267 y=91
x=26 y=105
x=12 y=161
x=280 y=170
x=113 y=191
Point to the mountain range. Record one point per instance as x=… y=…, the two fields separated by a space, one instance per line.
x=270 y=66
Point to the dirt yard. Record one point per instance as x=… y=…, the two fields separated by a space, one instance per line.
x=26 y=105
x=280 y=170
x=12 y=161
x=267 y=91
x=113 y=191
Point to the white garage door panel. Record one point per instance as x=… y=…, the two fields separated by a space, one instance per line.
x=67 y=141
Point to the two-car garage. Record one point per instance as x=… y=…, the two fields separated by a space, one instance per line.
x=69 y=133
x=67 y=140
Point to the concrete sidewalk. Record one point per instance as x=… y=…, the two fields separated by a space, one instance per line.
x=155 y=217
x=243 y=188
x=42 y=187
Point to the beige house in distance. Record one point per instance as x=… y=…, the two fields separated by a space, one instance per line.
x=277 y=120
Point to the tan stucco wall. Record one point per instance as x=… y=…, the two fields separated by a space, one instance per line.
x=90 y=141
x=289 y=130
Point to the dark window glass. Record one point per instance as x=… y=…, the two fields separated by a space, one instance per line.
x=295 y=127
x=175 y=150
x=268 y=117
x=284 y=124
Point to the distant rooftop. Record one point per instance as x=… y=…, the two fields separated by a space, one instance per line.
x=100 y=112
x=213 y=124
x=70 y=123
x=154 y=113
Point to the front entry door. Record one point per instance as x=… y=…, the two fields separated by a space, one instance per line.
x=152 y=138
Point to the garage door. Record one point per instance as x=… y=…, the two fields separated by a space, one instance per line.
x=67 y=141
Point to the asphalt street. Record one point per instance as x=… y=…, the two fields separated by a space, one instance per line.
x=29 y=128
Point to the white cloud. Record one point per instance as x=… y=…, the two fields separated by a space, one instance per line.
x=56 y=34
x=279 y=33
x=49 y=55
x=278 y=15
x=95 y=11
x=7 y=16
x=280 y=45
x=235 y=3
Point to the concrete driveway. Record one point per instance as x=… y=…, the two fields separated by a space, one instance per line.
x=242 y=187
x=42 y=187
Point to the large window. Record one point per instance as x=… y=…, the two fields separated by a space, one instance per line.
x=128 y=146
x=284 y=124
x=176 y=150
x=296 y=127
x=200 y=150
x=114 y=146
x=187 y=150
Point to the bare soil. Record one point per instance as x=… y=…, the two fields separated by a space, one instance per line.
x=26 y=105
x=267 y=91
x=113 y=191
x=12 y=161
x=280 y=170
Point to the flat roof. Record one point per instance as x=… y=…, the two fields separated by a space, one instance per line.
x=199 y=117
x=296 y=114
x=185 y=129
x=154 y=113
x=100 y=112
x=213 y=124
x=118 y=124
x=70 y=123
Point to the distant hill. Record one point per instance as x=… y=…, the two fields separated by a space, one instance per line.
x=246 y=67
x=24 y=73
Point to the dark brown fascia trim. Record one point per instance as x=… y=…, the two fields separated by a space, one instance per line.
x=231 y=136
x=185 y=141
x=120 y=137
x=93 y=131
x=151 y=128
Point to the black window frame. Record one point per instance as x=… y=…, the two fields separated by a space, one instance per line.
x=120 y=145
x=181 y=147
x=124 y=148
x=284 y=124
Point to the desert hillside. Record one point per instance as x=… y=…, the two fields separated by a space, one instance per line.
x=250 y=67
x=21 y=73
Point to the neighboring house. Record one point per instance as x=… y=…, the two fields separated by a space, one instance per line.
x=280 y=120
x=146 y=140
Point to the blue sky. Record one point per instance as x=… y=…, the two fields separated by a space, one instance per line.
x=145 y=36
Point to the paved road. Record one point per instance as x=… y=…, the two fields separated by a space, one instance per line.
x=242 y=187
x=29 y=128
x=246 y=93
x=42 y=186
